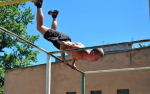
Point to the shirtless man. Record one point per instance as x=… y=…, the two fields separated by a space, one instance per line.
x=62 y=41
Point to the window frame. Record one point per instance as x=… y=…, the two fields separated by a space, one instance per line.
x=123 y=91
x=97 y=91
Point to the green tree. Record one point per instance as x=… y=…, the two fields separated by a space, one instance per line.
x=15 y=18
x=143 y=45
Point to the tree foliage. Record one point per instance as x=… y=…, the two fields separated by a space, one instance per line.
x=143 y=45
x=13 y=52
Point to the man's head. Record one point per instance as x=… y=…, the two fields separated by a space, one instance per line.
x=96 y=54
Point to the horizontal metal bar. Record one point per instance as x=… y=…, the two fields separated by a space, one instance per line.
x=115 y=70
x=79 y=49
x=67 y=63
x=3 y=3
x=18 y=37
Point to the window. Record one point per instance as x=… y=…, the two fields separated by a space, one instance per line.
x=96 y=92
x=71 y=93
x=123 y=91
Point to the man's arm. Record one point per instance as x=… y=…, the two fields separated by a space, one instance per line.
x=63 y=47
x=73 y=63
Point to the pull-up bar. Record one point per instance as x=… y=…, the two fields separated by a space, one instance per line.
x=79 y=49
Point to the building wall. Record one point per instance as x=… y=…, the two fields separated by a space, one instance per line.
x=31 y=80
x=119 y=47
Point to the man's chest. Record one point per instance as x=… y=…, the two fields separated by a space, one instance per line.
x=77 y=54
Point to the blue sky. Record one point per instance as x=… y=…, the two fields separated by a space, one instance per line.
x=94 y=22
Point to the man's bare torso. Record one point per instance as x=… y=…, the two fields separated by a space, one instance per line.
x=76 y=54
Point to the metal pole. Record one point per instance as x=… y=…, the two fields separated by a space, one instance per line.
x=18 y=37
x=79 y=49
x=83 y=83
x=9 y=2
x=115 y=70
x=48 y=74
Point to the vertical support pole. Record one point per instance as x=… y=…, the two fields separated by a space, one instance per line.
x=48 y=74
x=83 y=83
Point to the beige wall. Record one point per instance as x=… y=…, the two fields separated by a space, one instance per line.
x=31 y=80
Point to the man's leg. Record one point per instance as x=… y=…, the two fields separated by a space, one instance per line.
x=54 y=16
x=40 y=17
x=54 y=24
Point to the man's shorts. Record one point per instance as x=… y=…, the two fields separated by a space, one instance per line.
x=56 y=37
